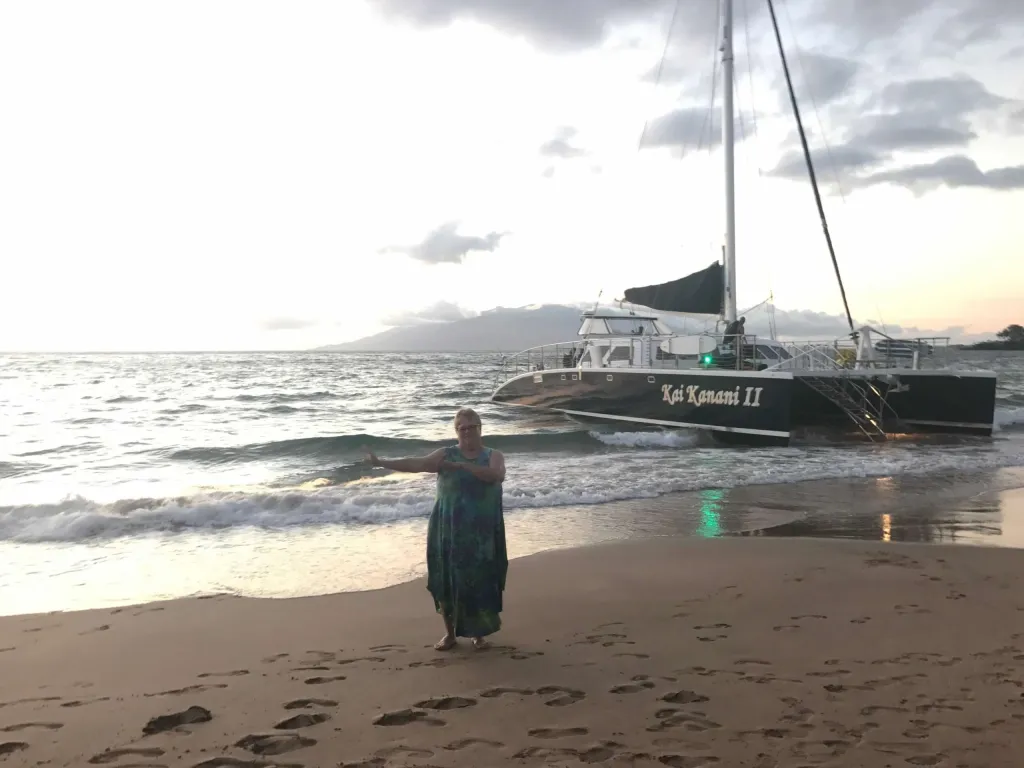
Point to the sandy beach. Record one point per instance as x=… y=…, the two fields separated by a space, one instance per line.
x=682 y=652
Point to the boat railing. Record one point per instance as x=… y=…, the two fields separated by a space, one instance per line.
x=926 y=352
x=639 y=351
x=720 y=352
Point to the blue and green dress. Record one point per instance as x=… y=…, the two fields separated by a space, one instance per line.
x=466 y=557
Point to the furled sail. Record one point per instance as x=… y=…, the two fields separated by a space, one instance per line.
x=701 y=293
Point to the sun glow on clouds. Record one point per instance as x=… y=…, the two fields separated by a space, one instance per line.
x=198 y=176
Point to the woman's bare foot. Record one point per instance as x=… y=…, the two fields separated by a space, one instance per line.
x=480 y=643
x=446 y=643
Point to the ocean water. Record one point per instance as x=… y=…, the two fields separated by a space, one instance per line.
x=142 y=476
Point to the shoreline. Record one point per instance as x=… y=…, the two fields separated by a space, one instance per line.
x=968 y=508
x=663 y=651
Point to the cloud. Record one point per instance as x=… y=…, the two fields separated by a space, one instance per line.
x=441 y=312
x=953 y=171
x=920 y=115
x=939 y=23
x=561 y=145
x=286 y=324
x=809 y=325
x=693 y=128
x=825 y=78
x=552 y=24
x=445 y=245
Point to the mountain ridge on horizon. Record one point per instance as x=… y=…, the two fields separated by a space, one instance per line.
x=504 y=329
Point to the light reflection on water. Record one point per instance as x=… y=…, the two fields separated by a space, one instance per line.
x=986 y=508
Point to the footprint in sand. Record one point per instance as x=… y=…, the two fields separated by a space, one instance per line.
x=83 y=702
x=341 y=662
x=234 y=762
x=388 y=648
x=10 y=747
x=570 y=695
x=399 y=751
x=557 y=733
x=187 y=689
x=446 y=702
x=309 y=703
x=303 y=721
x=324 y=680
x=100 y=628
x=190 y=716
x=632 y=655
x=687 y=761
x=493 y=693
x=113 y=755
x=27 y=726
x=684 y=697
x=275 y=657
x=461 y=744
x=405 y=717
x=274 y=743
x=232 y=673
x=786 y=628
x=637 y=687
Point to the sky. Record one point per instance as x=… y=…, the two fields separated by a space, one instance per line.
x=252 y=175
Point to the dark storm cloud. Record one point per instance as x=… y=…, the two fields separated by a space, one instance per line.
x=446 y=246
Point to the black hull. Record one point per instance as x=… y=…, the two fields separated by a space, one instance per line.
x=737 y=406
x=758 y=407
x=917 y=401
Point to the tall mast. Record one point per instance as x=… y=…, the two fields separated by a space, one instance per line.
x=728 y=145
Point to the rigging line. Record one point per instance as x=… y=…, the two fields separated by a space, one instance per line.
x=750 y=70
x=661 y=63
x=814 y=106
x=708 y=123
x=810 y=164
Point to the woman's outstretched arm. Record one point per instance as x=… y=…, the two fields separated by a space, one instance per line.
x=429 y=463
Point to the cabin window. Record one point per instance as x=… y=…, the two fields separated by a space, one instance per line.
x=563 y=377
x=650 y=379
x=608 y=377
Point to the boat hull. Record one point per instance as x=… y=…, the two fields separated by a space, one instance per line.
x=756 y=407
x=950 y=402
x=750 y=407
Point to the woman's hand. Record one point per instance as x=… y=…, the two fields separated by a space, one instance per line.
x=371 y=457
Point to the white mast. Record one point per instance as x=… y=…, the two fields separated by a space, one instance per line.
x=728 y=146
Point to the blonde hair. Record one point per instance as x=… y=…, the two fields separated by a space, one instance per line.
x=466 y=412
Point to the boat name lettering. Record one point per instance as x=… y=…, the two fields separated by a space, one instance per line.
x=694 y=394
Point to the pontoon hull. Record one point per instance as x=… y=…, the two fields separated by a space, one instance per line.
x=751 y=407
x=756 y=407
x=918 y=401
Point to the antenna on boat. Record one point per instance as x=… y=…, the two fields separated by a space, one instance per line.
x=730 y=162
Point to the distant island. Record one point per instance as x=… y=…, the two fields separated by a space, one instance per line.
x=497 y=330
x=1011 y=338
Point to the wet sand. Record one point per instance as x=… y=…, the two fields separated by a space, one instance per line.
x=755 y=651
x=975 y=508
